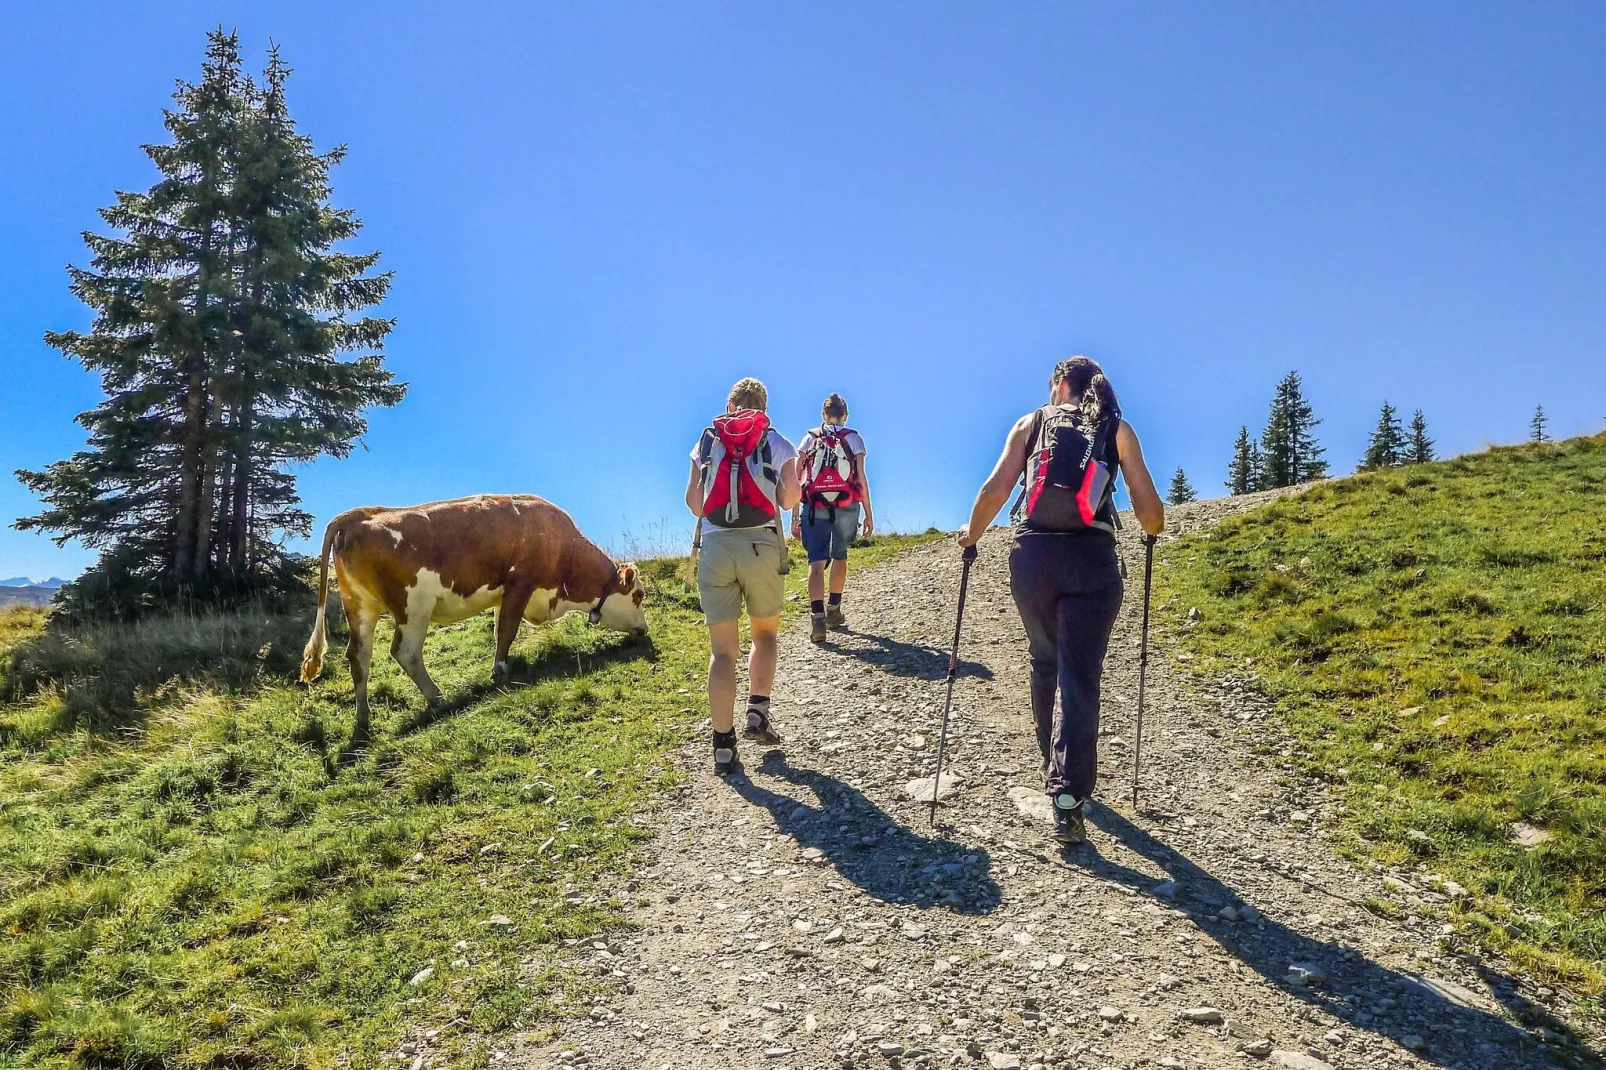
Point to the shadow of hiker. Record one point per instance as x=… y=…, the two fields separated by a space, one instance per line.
x=889 y=861
x=901 y=658
x=1356 y=987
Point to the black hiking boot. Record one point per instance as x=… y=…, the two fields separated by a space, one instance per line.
x=834 y=618
x=816 y=627
x=759 y=727
x=1069 y=828
x=725 y=762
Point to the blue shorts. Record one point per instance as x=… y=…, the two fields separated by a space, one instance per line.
x=825 y=539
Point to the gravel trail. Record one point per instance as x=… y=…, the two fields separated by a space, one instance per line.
x=808 y=915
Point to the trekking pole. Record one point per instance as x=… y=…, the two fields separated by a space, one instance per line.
x=690 y=578
x=953 y=670
x=1143 y=659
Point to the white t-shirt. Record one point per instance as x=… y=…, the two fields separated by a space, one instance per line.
x=850 y=438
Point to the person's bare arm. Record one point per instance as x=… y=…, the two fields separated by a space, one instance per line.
x=995 y=492
x=868 y=527
x=1146 y=504
x=788 y=492
x=694 y=490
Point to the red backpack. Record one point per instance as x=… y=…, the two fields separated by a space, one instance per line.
x=736 y=492
x=829 y=470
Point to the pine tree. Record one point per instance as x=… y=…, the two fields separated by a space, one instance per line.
x=1181 y=489
x=1387 y=447
x=1289 y=453
x=1420 y=450
x=1536 y=426
x=1243 y=474
x=221 y=313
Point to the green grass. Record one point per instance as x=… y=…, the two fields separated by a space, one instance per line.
x=197 y=871
x=1436 y=639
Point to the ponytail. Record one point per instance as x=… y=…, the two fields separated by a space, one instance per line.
x=1089 y=388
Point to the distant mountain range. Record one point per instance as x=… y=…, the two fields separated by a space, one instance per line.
x=20 y=590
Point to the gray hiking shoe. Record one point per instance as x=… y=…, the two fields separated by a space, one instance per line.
x=816 y=627
x=759 y=727
x=724 y=753
x=834 y=618
x=1069 y=828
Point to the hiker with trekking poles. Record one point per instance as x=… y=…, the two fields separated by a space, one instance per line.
x=830 y=468
x=1064 y=572
x=743 y=477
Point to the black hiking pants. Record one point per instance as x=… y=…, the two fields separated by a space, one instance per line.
x=1068 y=590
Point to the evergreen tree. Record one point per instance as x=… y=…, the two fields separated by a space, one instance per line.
x=1181 y=489
x=1420 y=450
x=1243 y=474
x=1289 y=453
x=221 y=313
x=1536 y=426
x=1387 y=447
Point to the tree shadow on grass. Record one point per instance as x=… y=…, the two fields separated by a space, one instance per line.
x=872 y=851
x=901 y=658
x=1470 y=1036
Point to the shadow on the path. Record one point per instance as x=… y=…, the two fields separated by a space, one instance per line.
x=876 y=853
x=901 y=658
x=1468 y=1037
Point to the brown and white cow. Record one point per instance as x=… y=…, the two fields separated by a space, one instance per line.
x=445 y=561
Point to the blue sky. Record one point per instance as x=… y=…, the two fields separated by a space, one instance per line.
x=600 y=215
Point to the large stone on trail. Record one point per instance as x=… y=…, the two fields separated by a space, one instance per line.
x=920 y=790
x=1298 y=1060
x=1033 y=803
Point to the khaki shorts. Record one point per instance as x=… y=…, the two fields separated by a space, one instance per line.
x=740 y=564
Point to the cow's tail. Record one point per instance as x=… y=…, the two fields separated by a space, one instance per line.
x=312 y=656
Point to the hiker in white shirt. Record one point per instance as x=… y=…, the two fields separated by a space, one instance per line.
x=835 y=490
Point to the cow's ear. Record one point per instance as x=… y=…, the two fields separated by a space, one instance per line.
x=627 y=577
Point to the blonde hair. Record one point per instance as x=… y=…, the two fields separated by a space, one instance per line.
x=749 y=393
x=834 y=408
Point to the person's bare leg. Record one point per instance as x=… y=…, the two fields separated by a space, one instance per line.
x=839 y=576
x=816 y=581
x=725 y=642
x=761 y=662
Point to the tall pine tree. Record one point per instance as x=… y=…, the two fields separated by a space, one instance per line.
x=1243 y=473
x=1289 y=453
x=1181 y=490
x=1387 y=447
x=1420 y=449
x=221 y=314
x=1536 y=426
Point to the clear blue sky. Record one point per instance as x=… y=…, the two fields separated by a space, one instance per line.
x=600 y=215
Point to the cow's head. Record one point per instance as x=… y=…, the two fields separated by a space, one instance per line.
x=623 y=608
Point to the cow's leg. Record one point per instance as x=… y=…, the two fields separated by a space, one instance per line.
x=508 y=618
x=408 y=650
x=361 y=617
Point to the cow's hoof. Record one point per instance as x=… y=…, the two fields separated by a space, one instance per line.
x=499 y=673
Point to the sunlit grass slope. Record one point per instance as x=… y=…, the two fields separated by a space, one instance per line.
x=1436 y=637
x=197 y=870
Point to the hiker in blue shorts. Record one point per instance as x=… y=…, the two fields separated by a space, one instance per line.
x=1063 y=568
x=830 y=469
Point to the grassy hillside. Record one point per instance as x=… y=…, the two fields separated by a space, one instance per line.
x=196 y=870
x=1436 y=637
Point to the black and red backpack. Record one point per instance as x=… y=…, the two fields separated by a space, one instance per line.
x=739 y=476
x=829 y=469
x=1069 y=483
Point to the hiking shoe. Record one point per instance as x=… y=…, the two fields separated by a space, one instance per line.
x=834 y=618
x=816 y=627
x=759 y=727
x=1069 y=828
x=724 y=753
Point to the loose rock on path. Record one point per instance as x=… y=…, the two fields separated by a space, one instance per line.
x=807 y=914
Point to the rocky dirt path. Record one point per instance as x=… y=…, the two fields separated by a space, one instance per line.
x=808 y=915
